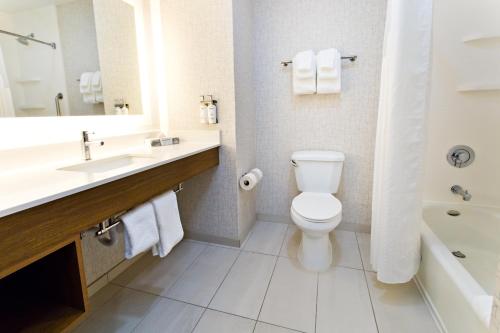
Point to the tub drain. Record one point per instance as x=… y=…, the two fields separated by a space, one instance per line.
x=458 y=254
x=453 y=212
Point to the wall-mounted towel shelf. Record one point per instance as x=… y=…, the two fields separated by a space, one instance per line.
x=494 y=86
x=478 y=37
x=116 y=220
x=353 y=58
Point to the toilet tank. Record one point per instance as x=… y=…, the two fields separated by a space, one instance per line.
x=318 y=171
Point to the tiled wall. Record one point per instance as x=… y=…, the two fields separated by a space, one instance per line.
x=245 y=109
x=210 y=53
x=345 y=122
x=199 y=50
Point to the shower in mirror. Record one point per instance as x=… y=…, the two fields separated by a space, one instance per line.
x=57 y=58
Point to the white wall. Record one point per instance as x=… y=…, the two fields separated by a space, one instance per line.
x=469 y=118
x=345 y=122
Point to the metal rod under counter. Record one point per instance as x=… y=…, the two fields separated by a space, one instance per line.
x=116 y=220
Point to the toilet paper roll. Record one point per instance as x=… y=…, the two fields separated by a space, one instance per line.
x=251 y=179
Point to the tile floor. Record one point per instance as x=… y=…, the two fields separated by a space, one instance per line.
x=261 y=288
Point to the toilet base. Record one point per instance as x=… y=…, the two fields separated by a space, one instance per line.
x=315 y=252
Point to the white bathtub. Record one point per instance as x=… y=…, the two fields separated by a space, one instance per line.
x=460 y=290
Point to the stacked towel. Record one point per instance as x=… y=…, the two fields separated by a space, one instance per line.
x=97 y=87
x=91 y=87
x=86 y=87
x=329 y=71
x=141 y=232
x=304 y=73
x=168 y=222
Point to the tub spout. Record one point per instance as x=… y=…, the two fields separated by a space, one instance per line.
x=457 y=189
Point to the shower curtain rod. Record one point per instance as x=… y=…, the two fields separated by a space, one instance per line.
x=52 y=45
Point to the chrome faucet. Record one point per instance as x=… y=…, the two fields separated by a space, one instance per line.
x=457 y=189
x=86 y=143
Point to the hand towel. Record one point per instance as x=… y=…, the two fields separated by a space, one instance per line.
x=304 y=73
x=329 y=71
x=141 y=232
x=168 y=223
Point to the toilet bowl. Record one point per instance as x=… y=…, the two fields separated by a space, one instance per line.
x=316 y=211
x=316 y=215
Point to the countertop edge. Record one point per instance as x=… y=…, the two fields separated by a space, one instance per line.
x=40 y=201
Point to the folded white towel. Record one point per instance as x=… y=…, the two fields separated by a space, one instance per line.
x=86 y=82
x=169 y=223
x=329 y=71
x=141 y=232
x=328 y=63
x=304 y=65
x=304 y=73
x=96 y=82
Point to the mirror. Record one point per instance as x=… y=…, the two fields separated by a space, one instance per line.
x=68 y=58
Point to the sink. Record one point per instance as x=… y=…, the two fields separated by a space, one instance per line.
x=108 y=164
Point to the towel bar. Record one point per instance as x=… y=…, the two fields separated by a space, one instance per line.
x=116 y=219
x=350 y=58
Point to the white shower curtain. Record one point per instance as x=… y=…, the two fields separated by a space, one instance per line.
x=400 y=143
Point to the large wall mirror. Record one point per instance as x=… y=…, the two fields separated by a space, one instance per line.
x=68 y=58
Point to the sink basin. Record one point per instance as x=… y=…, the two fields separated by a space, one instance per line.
x=108 y=164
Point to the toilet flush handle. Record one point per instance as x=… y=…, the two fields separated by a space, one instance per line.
x=293 y=163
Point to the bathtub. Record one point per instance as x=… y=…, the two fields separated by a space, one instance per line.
x=459 y=290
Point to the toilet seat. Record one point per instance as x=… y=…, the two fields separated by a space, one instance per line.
x=317 y=207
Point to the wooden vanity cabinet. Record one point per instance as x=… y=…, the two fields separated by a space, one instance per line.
x=42 y=282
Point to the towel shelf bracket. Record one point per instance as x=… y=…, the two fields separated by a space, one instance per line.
x=115 y=220
x=352 y=58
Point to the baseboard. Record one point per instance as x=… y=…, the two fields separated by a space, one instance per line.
x=355 y=227
x=274 y=218
x=211 y=239
x=109 y=276
x=435 y=314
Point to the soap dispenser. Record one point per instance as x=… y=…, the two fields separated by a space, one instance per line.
x=212 y=111
x=203 y=110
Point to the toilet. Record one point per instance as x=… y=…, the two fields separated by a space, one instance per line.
x=315 y=211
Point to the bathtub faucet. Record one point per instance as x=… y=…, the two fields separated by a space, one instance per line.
x=457 y=189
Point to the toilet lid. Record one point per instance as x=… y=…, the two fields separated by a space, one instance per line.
x=317 y=206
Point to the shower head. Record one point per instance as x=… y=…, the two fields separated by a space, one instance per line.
x=24 y=40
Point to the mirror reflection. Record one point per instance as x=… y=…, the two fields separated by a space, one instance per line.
x=68 y=58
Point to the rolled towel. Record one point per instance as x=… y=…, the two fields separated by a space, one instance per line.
x=168 y=222
x=141 y=232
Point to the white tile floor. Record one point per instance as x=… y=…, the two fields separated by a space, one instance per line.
x=205 y=288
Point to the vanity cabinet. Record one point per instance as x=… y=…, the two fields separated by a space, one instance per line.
x=42 y=280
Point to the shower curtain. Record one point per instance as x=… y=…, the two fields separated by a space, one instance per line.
x=400 y=142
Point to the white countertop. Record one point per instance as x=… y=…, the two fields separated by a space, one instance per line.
x=36 y=186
